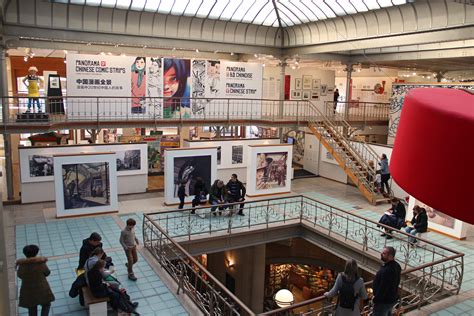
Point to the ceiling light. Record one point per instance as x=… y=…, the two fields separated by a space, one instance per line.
x=25 y=58
x=102 y=53
x=263 y=65
x=197 y=50
x=414 y=74
x=232 y=54
x=174 y=48
x=65 y=52
x=255 y=55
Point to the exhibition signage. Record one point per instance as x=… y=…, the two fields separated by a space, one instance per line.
x=160 y=87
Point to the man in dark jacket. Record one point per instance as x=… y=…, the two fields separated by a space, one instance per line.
x=237 y=192
x=394 y=217
x=386 y=283
x=218 y=197
x=88 y=245
x=200 y=192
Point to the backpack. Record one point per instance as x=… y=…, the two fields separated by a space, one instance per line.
x=123 y=302
x=347 y=298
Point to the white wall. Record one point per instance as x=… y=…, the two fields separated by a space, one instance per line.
x=311 y=154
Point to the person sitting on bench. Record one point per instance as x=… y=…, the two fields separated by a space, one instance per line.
x=394 y=217
x=218 y=197
x=200 y=192
x=419 y=222
x=88 y=246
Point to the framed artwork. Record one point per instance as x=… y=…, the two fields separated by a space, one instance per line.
x=85 y=184
x=270 y=166
x=307 y=82
x=298 y=84
x=306 y=95
x=315 y=95
x=324 y=89
x=237 y=154
x=316 y=84
x=296 y=94
x=186 y=165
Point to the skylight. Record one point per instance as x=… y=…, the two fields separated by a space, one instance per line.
x=260 y=12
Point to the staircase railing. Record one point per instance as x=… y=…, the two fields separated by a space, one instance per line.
x=356 y=155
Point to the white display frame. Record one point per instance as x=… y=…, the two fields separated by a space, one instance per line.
x=26 y=152
x=171 y=154
x=60 y=160
x=226 y=149
x=459 y=230
x=253 y=151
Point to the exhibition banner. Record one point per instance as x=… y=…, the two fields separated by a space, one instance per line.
x=158 y=87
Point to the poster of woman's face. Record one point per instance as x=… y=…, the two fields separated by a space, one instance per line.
x=176 y=80
x=138 y=78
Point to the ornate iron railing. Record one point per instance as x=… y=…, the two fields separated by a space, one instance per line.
x=107 y=109
x=431 y=271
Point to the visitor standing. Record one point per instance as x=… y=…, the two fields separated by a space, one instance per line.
x=386 y=283
x=351 y=290
x=336 y=98
x=129 y=242
x=35 y=288
x=237 y=192
x=384 y=173
x=182 y=193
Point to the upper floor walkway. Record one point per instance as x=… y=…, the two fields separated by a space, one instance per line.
x=109 y=112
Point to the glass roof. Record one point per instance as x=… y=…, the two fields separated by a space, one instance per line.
x=261 y=12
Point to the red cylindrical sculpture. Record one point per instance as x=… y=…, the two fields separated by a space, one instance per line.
x=433 y=154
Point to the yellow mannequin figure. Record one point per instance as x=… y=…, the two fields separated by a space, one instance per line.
x=33 y=86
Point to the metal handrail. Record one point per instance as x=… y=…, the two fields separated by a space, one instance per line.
x=441 y=277
x=190 y=258
x=357 y=154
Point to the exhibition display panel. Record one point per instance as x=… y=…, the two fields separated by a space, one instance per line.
x=85 y=184
x=269 y=169
x=438 y=221
x=38 y=174
x=186 y=165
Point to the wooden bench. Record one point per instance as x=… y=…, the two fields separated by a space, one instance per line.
x=97 y=306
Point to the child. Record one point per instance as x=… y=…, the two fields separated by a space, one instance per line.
x=129 y=242
x=181 y=194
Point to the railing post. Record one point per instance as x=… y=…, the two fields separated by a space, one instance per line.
x=228 y=111
x=97 y=109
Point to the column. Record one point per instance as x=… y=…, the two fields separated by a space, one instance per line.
x=349 y=69
x=282 y=95
x=5 y=115
x=258 y=279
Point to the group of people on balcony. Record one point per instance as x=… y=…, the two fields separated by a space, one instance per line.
x=220 y=195
x=395 y=218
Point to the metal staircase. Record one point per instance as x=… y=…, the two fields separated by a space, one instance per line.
x=353 y=157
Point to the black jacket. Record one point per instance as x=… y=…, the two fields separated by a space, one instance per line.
x=217 y=193
x=78 y=284
x=386 y=283
x=200 y=187
x=236 y=189
x=86 y=251
x=420 y=222
x=399 y=210
x=96 y=285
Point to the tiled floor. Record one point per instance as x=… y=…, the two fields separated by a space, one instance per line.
x=63 y=238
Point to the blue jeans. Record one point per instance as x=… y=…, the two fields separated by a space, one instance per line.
x=383 y=309
x=214 y=204
x=412 y=231
x=34 y=100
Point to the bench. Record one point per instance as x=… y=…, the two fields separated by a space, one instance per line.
x=97 y=306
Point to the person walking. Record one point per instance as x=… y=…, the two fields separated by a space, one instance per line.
x=350 y=288
x=35 y=289
x=386 y=283
x=237 y=192
x=384 y=173
x=419 y=222
x=129 y=242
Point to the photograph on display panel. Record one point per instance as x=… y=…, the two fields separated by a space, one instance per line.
x=188 y=169
x=213 y=78
x=198 y=79
x=271 y=170
x=129 y=160
x=176 y=87
x=237 y=154
x=41 y=166
x=437 y=217
x=86 y=185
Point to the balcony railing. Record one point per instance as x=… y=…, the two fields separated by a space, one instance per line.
x=431 y=271
x=108 y=109
x=359 y=111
